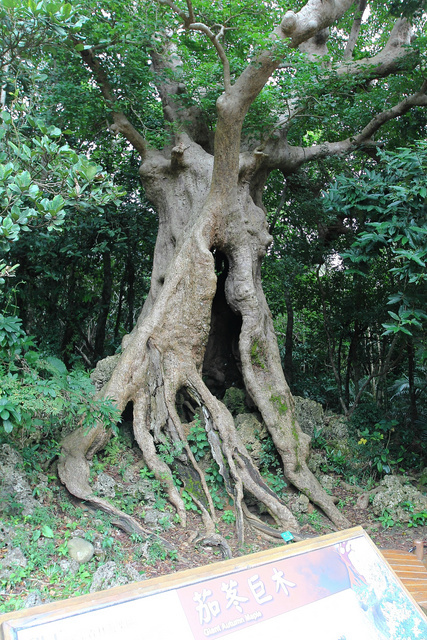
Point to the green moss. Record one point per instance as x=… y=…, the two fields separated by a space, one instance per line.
x=234 y=400
x=295 y=432
x=279 y=403
x=257 y=357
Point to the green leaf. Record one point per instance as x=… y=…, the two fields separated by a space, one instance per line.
x=57 y=364
x=8 y=426
x=5 y=116
x=47 y=532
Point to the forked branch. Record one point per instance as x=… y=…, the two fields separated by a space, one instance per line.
x=190 y=24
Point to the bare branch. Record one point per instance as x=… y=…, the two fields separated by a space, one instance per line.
x=190 y=11
x=121 y=124
x=355 y=29
x=199 y=26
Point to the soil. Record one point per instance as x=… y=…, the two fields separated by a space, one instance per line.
x=190 y=554
x=65 y=516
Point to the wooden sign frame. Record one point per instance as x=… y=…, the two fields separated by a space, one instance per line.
x=338 y=586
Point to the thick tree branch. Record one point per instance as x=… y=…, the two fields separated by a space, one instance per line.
x=355 y=30
x=315 y=16
x=121 y=124
x=278 y=154
x=186 y=118
x=418 y=99
x=392 y=59
x=389 y=60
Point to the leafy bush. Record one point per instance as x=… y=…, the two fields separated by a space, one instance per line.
x=374 y=446
x=38 y=395
x=198 y=440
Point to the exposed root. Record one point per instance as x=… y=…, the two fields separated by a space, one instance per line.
x=226 y=445
x=160 y=469
x=211 y=538
x=256 y=523
x=364 y=498
x=201 y=476
x=126 y=523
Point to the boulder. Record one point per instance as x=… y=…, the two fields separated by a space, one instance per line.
x=327 y=482
x=33 y=599
x=69 y=566
x=14 y=558
x=300 y=504
x=399 y=499
x=155 y=518
x=335 y=428
x=80 y=550
x=15 y=490
x=103 y=371
x=111 y=575
x=309 y=415
x=316 y=461
x=235 y=400
x=251 y=432
x=105 y=486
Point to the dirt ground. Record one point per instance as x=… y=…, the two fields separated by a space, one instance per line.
x=43 y=540
x=190 y=554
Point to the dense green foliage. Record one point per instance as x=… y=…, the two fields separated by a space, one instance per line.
x=352 y=256
x=39 y=398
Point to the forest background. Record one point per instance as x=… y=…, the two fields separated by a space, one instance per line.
x=344 y=275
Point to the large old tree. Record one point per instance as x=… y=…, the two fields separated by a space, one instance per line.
x=205 y=325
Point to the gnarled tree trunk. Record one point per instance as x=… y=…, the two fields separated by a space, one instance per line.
x=164 y=355
x=206 y=321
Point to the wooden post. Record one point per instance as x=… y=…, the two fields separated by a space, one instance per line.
x=419 y=549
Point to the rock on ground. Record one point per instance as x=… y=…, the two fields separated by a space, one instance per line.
x=399 y=499
x=80 y=550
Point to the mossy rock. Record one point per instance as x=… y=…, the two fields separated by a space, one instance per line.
x=103 y=371
x=251 y=432
x=234 y=400
x=393 y=497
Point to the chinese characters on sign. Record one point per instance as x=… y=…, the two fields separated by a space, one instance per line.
x=341 y=589
x=248 y=596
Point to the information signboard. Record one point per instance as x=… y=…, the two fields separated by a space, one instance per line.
x=336 y=587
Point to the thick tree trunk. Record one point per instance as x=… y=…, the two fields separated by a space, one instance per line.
x=165 y=353
x=206 y=311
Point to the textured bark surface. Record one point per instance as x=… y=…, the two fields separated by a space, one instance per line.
x=206 y=325
x=165 y=353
